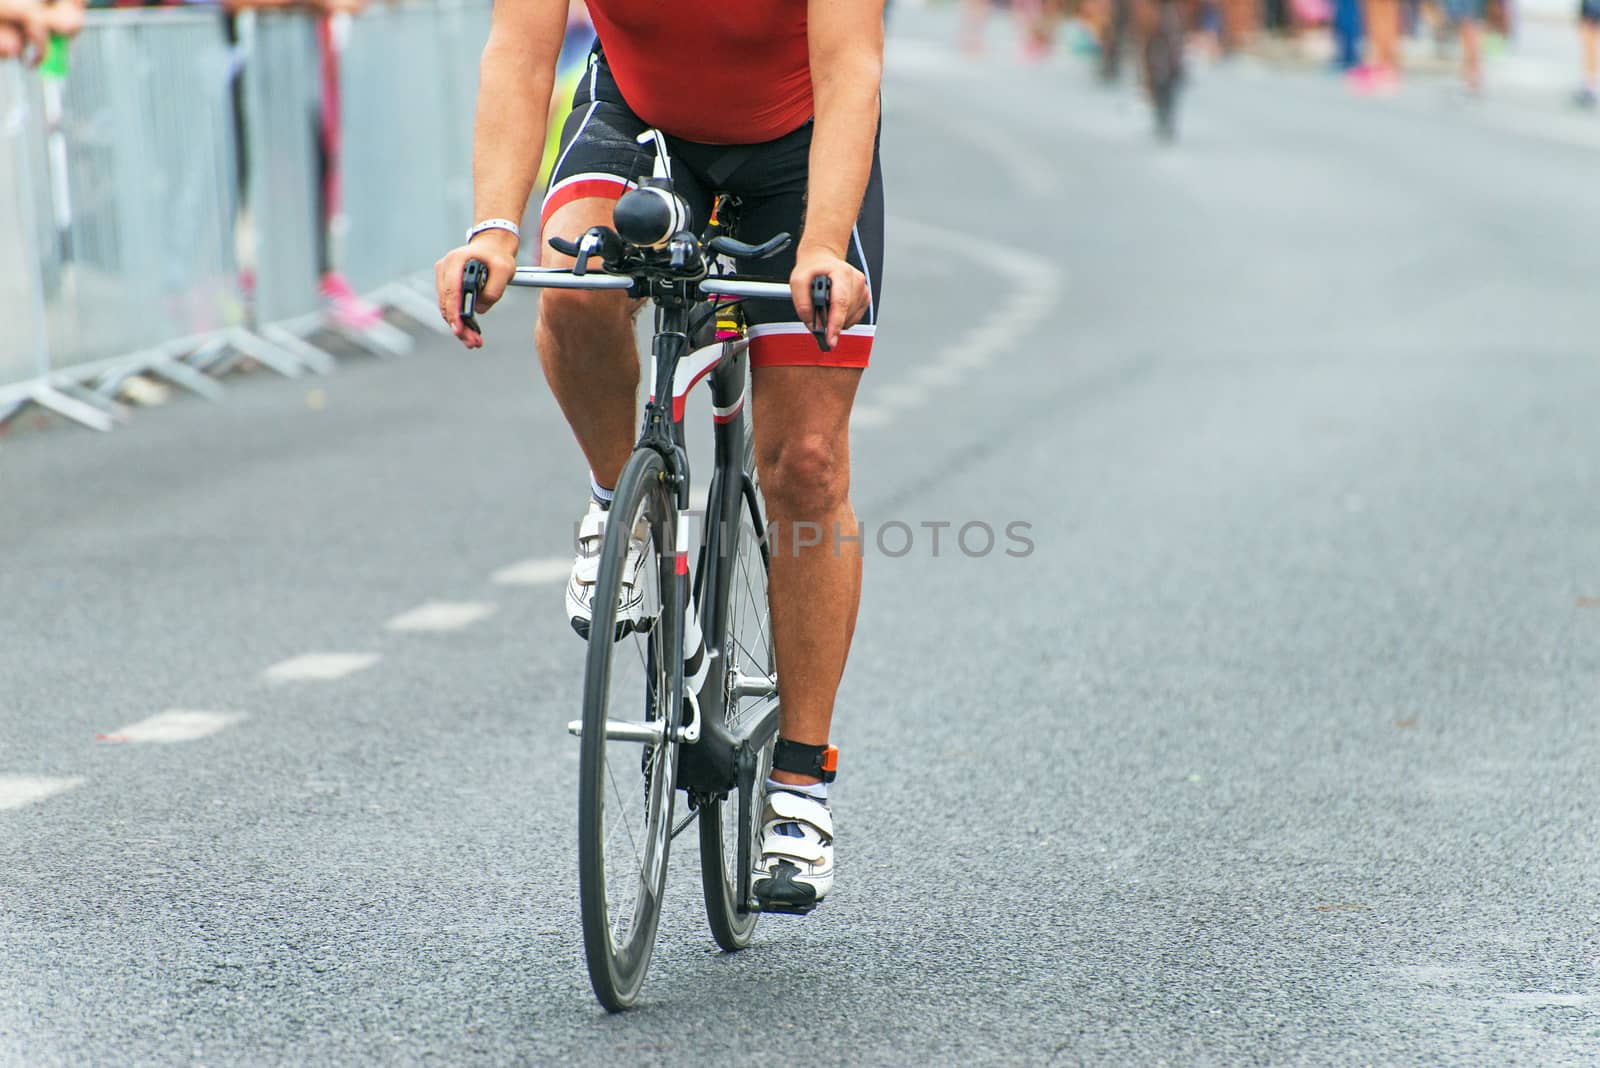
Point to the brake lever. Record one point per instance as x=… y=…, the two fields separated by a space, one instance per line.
x=821 y=298
x=599 y=241
x=474 y=276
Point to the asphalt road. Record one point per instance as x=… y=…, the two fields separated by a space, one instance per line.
x=1277 y=748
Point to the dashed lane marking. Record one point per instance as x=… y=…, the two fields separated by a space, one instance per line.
x=1034 y=290
x=437 y=616
x=319 y=667
x=534 y=572
x=866 y=416
x=174 y=725
x=19 y=790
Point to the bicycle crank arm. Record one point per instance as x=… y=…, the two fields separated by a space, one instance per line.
x=755 y=904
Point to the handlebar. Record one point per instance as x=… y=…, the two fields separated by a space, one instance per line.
x=475 y=275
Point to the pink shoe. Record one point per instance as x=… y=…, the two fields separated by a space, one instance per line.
x=348 y=309
x=1359 y=79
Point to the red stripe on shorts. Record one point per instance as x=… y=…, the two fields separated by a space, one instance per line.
x=800 y=350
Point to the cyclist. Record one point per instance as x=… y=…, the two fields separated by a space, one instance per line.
x=777 y=104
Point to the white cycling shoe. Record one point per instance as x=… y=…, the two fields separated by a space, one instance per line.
x=586 y=570
x=795 y=870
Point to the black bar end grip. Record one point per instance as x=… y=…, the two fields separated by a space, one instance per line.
x=474 y=276
x=821 y=298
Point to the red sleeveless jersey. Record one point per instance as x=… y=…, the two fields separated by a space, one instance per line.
x=721 y=72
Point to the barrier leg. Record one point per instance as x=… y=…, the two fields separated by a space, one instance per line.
x=181 y=374
x=413 y=305
x=68 y=407
x=380 y=339
x=305 y=354
x=214 y=357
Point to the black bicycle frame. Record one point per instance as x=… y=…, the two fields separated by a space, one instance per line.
x=720 y=759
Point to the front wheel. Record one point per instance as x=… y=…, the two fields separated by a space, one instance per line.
x=629 y=761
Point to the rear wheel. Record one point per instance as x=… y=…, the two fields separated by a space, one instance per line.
x=628 y=762
x=727 y=835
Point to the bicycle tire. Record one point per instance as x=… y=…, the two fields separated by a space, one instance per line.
x=620 y=881
x=747 y=642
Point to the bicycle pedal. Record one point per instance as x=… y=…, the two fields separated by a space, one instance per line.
x=782 y=909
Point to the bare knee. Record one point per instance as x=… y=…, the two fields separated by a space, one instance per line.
x=576 y=318
x=806 y=476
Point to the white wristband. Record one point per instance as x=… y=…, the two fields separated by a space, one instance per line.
x=495 y=224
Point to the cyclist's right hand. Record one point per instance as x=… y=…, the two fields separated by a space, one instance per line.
x=498 y=250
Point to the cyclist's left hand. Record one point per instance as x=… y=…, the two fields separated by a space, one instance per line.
x=850 y=299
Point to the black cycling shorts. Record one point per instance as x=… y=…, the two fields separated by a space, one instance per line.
x=600 y=156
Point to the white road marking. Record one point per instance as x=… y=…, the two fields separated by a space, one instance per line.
x=174 y=725
x=901 y=395
x=441 y=616
x=1537 y=999
x=1034 y=290
x=320 y=667
x=19 y=790
x=865 y=416
x=937 y=375
x=534 y=572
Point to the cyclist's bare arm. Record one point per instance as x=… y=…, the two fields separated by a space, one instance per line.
x=846 y=44
x=515 y=79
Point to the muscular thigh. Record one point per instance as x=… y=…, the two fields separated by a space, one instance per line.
x=803 y=409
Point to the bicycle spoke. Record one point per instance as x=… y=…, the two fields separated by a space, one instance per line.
x=626 y=825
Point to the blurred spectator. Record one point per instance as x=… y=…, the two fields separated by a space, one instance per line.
x=1589 y=35
x=1467 y=16
x=24 y=30
x=1347 y=30
x=28 y=26
x=334 y=27
x=64 y=18
x=1381 y=72
x=1036 y=19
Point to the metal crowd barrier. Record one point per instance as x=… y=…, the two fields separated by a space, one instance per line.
x=131 y=191
x=24 y=354
x=278 y=211
x=127 y=208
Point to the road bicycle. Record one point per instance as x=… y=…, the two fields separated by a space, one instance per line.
x=645 y=734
